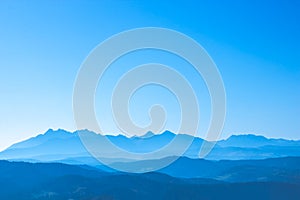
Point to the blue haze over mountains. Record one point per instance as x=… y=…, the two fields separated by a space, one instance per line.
x=55 y=165
x=66 y=147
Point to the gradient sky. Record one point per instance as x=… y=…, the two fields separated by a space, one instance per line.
x=255 y=46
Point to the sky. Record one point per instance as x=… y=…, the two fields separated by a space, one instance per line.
x=254 y=44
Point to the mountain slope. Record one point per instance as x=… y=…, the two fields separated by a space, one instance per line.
x=64 y=146
x=59 y=181
x=272 y=169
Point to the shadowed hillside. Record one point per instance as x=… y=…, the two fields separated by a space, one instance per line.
x=59 y=181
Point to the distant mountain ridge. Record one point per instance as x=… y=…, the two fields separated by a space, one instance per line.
x=63 y=146
x=251 y=140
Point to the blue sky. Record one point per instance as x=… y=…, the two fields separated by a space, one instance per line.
x=255 y=46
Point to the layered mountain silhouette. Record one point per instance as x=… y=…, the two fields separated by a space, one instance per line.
x=56 y=165
x=66 y=147
x=20 y=180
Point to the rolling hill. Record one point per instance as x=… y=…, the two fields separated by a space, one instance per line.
x=22 y=181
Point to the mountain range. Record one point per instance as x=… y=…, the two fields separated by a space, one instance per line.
x=66 y=147
x=56 y=165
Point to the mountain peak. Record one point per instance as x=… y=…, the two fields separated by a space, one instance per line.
x=167 y=132
x=148 y=135
x=49 y=131
x=59 y=131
